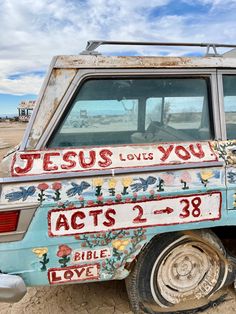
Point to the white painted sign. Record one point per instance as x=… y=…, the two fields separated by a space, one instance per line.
x=58 y=161
x=73 y=273
x=158 y=212
x=91 y=255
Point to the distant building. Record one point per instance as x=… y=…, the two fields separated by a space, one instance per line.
x=25 y=109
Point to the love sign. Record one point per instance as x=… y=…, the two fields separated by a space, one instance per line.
x=131 y=156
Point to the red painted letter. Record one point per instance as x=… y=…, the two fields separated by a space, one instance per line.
x=95 y=214
x=105 y=154
x=62 y=222
x=110 y=220
x=200 y=154
x=83 y=163
x=165 y=152
x=74 y=224
x=182 y=152
x=54 y=277
x=121 y=157
x=47 y=162
x=29 y=164
x=68 y=274
x=71 y=163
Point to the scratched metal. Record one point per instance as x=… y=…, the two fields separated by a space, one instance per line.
x=54 y=92
x=83 y=62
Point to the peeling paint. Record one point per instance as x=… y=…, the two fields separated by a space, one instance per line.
x=54 y=92
x=90 y=61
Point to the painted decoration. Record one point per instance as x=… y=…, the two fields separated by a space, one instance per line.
x=91 y=255
x=73 y=273
x=41 y=253
x=157 y=212
x=64 y=252
x=130 y=156
x=119 y=189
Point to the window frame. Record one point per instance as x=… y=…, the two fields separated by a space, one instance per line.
x=220 y=74
x=84 y=75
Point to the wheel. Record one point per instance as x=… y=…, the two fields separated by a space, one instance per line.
x=178 y=272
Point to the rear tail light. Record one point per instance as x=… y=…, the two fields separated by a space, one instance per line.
x=9 y=220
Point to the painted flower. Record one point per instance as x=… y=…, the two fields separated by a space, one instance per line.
x=100 y=198
x=185 y=177
x=90 y=203
x=112 y=183
x=56 y=186
x=168 y=178
x=118 y=197
x=98 y=182
x=81 y=198
x=120 y=245
x=40 y=251
x=70 y=205
x=135 y=195
x=128 y=200
x=63 y=250
x=43 y=186
x=206 y=175
x=126 y=181
x=152 y=192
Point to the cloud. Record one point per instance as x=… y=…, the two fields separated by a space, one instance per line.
x=217 y=3
x=34 y=30
x=24 y=85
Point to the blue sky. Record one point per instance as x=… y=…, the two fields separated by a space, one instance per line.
x=35 y=30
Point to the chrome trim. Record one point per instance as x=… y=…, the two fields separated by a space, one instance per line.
x=94 y=44
x=91 y=73
x=12 y=288
x=215 y=108
x=26 y=214
x=221 y=106
x=112 y=172
x=220 y=74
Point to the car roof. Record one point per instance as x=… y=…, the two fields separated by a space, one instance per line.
x=98 y=61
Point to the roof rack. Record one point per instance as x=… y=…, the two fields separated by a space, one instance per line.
x=92 y=45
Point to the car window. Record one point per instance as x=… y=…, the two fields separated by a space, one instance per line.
x=229 y=87
x=138 y=110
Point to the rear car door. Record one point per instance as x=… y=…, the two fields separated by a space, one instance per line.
x=128 y=156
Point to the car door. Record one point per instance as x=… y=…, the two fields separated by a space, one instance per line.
x=139 y=162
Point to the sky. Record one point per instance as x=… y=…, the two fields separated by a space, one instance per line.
x=33 y=31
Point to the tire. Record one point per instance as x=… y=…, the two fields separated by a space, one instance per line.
x=178 y=273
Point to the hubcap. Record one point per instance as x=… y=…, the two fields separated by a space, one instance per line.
x=189 y=271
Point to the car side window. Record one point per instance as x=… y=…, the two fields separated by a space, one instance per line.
x=229 y=87
x=137 y=110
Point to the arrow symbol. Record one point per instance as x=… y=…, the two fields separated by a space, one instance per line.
x=167 y=210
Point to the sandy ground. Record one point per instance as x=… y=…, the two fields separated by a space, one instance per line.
x=11 y=134
x=94 y=298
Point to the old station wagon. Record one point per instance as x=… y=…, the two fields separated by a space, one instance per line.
x=126 y=170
